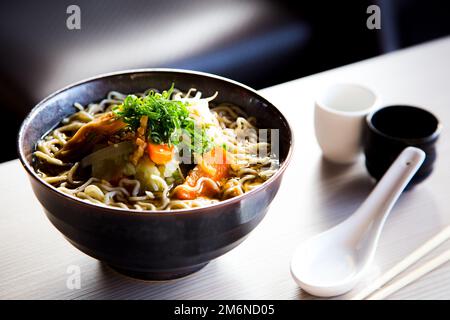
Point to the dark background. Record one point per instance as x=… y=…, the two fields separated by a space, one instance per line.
x=257 y=42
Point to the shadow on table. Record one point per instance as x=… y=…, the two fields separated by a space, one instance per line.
x=330 y=169
x=303 y=295
x=340 y=191
x=112 y=285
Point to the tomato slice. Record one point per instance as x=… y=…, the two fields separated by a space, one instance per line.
x=214 y=165
x=160 y=153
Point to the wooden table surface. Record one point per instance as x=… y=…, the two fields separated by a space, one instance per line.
x=314 y=196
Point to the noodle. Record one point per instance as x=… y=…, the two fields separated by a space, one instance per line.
x=240 y=138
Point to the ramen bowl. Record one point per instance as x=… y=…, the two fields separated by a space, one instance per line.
x=153 y=245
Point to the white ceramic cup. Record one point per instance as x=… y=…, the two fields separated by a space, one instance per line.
x=338 y=120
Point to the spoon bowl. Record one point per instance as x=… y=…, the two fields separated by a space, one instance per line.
x=339 y=269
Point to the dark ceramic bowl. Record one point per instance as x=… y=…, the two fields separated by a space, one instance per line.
x=162 y=244
x=391 y=129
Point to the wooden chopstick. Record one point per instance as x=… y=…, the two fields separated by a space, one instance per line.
x=413 y=257
x=411 y=276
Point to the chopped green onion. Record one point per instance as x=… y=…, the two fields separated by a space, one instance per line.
x=167 y=119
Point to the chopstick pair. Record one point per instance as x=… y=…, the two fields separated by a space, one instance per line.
x=434 y=242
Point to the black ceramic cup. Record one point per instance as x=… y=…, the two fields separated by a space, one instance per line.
x=391 y=129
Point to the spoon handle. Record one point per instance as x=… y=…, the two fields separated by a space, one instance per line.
x=377 y=206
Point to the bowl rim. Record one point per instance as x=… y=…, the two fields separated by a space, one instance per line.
x=134 y=212
x=319 y=102
x=422 y=140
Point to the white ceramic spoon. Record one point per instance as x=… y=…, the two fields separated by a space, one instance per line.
x=332 y=262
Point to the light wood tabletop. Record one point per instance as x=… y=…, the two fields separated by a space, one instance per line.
x=314 y=196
